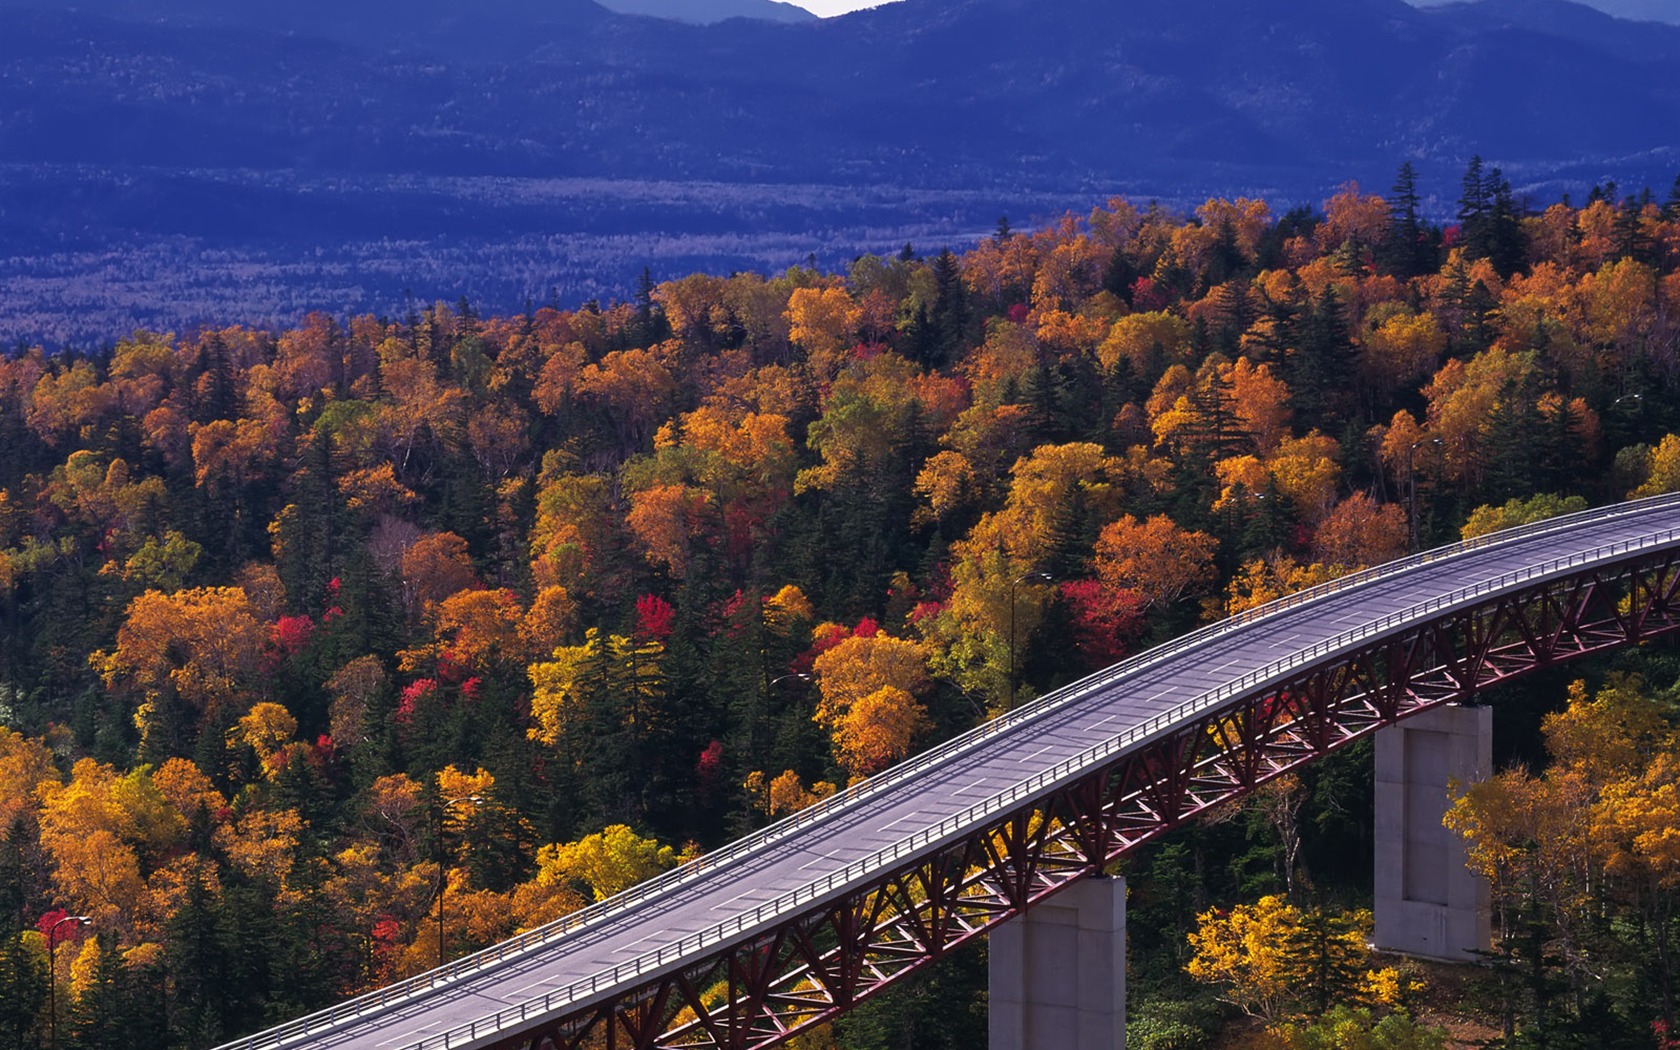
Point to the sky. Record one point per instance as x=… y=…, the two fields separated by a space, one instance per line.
x=1655 y=10
x=828 y=8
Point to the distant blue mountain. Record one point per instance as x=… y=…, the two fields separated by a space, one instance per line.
x=705 y=12
x=923 y=91
x=1160 y=97
x=1635 y=10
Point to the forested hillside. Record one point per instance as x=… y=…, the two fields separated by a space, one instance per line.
x=276 y=606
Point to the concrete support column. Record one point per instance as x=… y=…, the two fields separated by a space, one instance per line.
x=1427 y=902
x=1058 y=972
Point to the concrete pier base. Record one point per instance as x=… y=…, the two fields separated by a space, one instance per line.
x=1427 y=902
x=1058 y=972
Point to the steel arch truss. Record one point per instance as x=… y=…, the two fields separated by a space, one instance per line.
x=818 y=964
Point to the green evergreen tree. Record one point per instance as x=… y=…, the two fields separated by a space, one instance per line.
x=1321 y=370
x=1507 y=245
x=1329 y=953
x=1475 y=205
x=197 y=965
x=1405 y=251
x=1236 y=310
x=23 y=991
x=950 y=315
x=119 y=1008
x=1121 y=274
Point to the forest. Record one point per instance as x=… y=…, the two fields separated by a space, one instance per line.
x=309 y=632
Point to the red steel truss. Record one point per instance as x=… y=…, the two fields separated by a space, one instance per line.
x=819 y=963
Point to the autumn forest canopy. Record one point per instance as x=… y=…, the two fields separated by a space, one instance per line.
x=643 y=576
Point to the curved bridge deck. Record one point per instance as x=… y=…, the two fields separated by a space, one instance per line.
x=801 y=920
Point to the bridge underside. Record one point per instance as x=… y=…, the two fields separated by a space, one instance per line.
x=820 y=963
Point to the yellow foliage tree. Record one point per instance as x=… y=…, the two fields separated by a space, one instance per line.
x=1403 y=348
x=1243 y=951
x=262 y=844
x=824 y=322
x=1489 y=519
x=1359 y=531
x=1306 y=470
x=95 y=828
x=878 y=730
x=1261 y=581
x=607 y=862
x=202 y=643
x=1270 y=957
x=867 y=688
x=785 y=794
x=26 y=766
x=267 y=728
x=1662 y=469
x=1142 y=338
x=1155 y=558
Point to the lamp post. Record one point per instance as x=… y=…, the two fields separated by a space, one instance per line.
x=796 y=676
x=443 y=861
x=1042 y=577
x=1411 y=488
x=1624 y=417
x=52 y=974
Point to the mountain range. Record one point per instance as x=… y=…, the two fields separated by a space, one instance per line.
x=705 y=12
x=1635 y=10
x=122 y=120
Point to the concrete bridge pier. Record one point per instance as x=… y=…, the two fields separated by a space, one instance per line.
x=1427 y=902
x=1058 y=972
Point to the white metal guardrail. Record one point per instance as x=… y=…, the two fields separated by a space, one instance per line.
x=394 y=995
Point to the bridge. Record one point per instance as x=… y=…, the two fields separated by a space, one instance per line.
x=796 y=923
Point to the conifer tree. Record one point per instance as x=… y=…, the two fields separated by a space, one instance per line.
x=1326 y=953
x=1321 y=371
x=950 y=308
x=1405 y=252
x=23 y=989
x=1475 y=202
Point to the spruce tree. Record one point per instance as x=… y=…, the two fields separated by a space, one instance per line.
x=1321 y=370
x=1402 y=252
x=1475 y=203
x=1236 y=312
x=1507 y=247
x=1328 y=953
x=950 y=309
x=23 y=990
x=120 y=1007
x=1515 y=444
x=1121 y=273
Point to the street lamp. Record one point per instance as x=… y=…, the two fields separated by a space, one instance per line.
x=443 y=861
x=1041 y=577
x=800 y=676
x=1411 y=487
x=52 y=974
